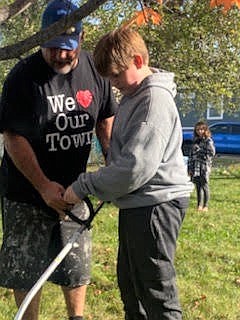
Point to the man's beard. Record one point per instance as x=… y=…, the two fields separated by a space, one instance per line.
x=63 y=68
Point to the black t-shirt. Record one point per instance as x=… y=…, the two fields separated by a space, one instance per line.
x=57 y=114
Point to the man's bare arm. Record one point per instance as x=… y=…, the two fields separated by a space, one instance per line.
x=103 y=132
x=24 y=158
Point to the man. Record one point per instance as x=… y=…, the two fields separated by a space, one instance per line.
x=51 y=102
x=145 y=177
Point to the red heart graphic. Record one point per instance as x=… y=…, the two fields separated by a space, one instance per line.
x=84 y=98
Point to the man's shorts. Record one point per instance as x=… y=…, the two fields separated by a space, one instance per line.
x=32 y=238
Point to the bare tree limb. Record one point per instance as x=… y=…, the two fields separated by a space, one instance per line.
x=14 y=9
x=16 y=50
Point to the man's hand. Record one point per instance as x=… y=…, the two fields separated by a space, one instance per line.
x=70 y=196
x=52 y=193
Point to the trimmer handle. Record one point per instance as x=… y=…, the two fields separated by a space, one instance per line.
x=93 y=212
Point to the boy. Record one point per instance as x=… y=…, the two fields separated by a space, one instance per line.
x=145 y=177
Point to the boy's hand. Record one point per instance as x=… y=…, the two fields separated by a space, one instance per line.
x=70 y=196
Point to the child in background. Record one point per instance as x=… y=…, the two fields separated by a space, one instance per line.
x=200 y=163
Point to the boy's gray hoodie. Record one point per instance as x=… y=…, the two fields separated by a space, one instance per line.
x=145 y=161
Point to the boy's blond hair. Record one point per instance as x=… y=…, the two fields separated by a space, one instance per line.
x=116 y=49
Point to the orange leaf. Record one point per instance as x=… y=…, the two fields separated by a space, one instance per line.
x=142 y=17
x=154 y=16
x=227 y=4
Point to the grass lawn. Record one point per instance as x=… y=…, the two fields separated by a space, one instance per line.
x=207 y=260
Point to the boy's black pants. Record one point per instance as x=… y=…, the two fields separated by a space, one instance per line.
x=146 y=274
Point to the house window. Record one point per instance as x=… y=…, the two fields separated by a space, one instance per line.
x=213 y=113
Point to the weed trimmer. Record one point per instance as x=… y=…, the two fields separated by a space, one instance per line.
x=85 y=224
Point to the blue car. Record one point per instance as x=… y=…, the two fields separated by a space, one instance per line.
x=226 y=137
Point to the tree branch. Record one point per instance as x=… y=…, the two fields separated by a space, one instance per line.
x=14 y=9
x=16 y=50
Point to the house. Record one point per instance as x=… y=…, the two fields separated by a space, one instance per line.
x=211 y=115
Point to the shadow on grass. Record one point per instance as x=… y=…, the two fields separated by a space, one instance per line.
x=233 y=177
x=233 y=201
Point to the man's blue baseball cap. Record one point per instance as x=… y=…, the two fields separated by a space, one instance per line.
x=55 y=10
